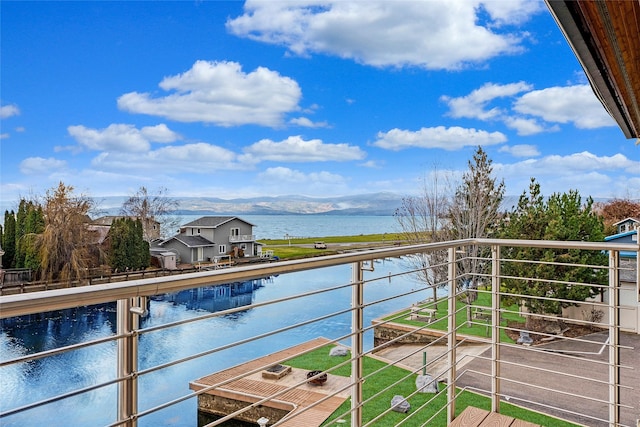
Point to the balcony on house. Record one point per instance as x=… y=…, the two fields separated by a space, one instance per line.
x=242 y=238
x=470 y=359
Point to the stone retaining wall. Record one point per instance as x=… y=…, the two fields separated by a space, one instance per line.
x=223 y=406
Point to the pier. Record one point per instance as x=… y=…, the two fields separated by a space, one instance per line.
x=240 y=386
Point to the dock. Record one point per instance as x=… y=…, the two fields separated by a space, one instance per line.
x=290 y=396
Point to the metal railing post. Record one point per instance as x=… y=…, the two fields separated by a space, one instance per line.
x=127 y=323
x=451 y=341
x=495 y=328
x=614 y=336
x=357 y=348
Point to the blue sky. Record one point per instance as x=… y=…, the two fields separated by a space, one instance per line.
x=233 y=99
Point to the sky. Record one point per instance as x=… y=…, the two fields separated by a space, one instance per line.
x=268 y=98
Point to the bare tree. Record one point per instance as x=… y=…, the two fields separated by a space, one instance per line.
x=150 y=208
x=474 y=213
x=421 y=220
x=65 y=245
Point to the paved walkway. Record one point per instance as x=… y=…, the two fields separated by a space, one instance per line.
x=565 y=361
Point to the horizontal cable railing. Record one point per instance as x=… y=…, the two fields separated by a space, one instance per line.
x=553 y=373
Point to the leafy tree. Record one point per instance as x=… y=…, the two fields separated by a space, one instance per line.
x=562 y=217
x=66 y=242
x=128 y=249
x=420 y=219
x=9 y=240
x=474 y=213
x=152 y=207
x=616 y=210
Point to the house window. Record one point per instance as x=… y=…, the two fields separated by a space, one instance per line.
x=222 y=249
x=198 y=231
x=200 y=254
x=235 y=232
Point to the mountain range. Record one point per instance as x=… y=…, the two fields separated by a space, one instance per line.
x=384 y=203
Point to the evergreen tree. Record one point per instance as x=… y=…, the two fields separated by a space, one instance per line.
x=9 y=240
x=21 y=220
x=565 y=218
x=34 y=226
x=474 y=213
x=128 y=249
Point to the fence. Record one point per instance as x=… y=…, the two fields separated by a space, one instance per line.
x=587 y=378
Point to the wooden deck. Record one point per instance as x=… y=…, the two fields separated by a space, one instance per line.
x=474 y=417
x=253 y=387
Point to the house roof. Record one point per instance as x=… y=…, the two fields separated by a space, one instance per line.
x=213 y=221
x=190 y=241
x=605 y=37
x=637 y=220
x=623 y=237
x=620 y=235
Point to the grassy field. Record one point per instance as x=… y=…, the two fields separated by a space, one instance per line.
x=386 y=237
x=386 y=375
x=475 y=329
x=303 y=248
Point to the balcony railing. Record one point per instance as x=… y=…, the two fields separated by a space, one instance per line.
x=586 y=379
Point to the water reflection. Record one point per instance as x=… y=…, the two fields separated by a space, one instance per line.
x=216 y=298
x=35 y=380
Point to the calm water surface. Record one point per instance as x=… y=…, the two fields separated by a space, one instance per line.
x=279 y=226
x=35 y=380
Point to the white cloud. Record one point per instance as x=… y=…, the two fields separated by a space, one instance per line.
x=512 y=11
x=305 y=122
x=296 y=149
x=592 y=175
x=292 y=176
x=371 y=164
x=442 y=34
x=4 y=135
x=570 y=104
x=527 y=126
x=474 y=104
x=222 y=94
x=122 y=137
x=10 y=110
x=521 y=150
x=452 y=138
x=575 y=163
x=39 y=165
x=195 y=158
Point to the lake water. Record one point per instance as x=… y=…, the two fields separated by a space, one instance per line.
x=35 y=380
x=279 y=226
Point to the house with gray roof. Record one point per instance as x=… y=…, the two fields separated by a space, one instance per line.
x=212 y=238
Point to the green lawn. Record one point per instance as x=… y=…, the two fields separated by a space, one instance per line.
x=303 y=248
x=476 y=329
x=361 y=238
x=386 y=375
